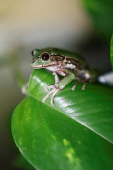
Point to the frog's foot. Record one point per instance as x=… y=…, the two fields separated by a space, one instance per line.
x=84 y=86
x=55 y=90
x=56 y=81
x=49 y=87
x=73 y=88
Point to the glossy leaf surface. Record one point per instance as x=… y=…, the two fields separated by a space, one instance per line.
x=75 y=134
x=50 y=140
x=92 y=107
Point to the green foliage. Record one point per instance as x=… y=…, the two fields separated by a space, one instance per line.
x=101 y=13
x=76 y=134
x=111 y=51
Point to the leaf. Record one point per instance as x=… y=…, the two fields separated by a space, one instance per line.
x=75 y=134
x=111 y=50
x=101 y=13
x=92 y=107
x=50 y=140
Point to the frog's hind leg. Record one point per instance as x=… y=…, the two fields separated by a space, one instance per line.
x=57 y=80
x=73 y=88
x=80 y=81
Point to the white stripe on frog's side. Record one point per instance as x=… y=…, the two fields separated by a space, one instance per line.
x=70 y=66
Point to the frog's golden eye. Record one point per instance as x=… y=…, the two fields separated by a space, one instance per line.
x=45 y=56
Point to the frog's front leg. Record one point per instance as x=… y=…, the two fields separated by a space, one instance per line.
x=56 y=81
x=56 y=77
x=59 y=86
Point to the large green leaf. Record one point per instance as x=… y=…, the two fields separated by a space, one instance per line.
x=111 y=51
x=92 y=108
x=75 y=134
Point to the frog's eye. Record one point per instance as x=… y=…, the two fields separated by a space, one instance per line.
x=45 y=56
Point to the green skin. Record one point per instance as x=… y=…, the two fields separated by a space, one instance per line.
x=70 y=65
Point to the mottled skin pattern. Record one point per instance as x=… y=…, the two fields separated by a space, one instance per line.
x=70 y=65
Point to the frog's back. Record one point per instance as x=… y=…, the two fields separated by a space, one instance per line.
x=74 y=58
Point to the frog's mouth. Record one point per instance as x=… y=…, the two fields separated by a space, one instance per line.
x=37 y=66
x=42 y=66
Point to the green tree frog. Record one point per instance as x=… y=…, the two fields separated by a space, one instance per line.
x=67 y=64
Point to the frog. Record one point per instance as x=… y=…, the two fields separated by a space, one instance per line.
x=71 y=66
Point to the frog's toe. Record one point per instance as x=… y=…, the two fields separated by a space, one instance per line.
x=54 y=73
x=52 y=99
x=84 y=86
x=52 y=103
x=73 y=88
x=43 y=101
x=52 y=93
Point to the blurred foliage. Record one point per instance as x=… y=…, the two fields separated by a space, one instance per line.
x=111 y=51
x=21 y=162
x=101 y=12
x=11 y=59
